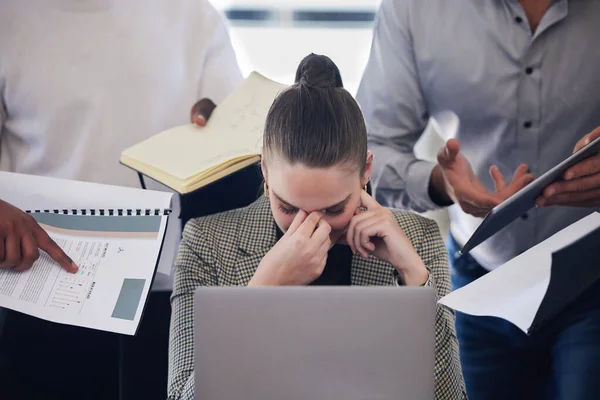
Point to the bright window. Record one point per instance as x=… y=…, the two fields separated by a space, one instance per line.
x=272 y=36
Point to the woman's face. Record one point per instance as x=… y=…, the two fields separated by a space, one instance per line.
x=335 y=191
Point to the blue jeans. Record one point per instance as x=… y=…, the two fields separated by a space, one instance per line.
x=499 y=361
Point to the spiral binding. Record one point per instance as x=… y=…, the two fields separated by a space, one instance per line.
x=106 y=211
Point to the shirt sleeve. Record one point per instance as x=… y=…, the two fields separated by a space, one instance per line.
x=395 y=111
x=221 y=73
x=193 y=268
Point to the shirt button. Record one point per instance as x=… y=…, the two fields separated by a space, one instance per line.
x=529 y=70
x=518 y=20
x=527 y=124
x=524 y=217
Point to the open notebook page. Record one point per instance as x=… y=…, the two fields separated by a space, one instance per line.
x=233 y=130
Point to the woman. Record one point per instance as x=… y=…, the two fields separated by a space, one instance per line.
x=314 y=226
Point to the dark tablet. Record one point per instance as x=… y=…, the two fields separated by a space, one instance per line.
x=524 y=200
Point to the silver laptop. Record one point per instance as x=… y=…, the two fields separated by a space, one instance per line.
x=313 y=343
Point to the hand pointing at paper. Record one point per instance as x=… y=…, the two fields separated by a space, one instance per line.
x=581 y=184
x=21 y=238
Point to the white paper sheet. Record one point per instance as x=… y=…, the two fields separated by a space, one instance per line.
x=90 y=297
x=111 y=260
x=30 y=192
x=36 y=192
x=515 y=290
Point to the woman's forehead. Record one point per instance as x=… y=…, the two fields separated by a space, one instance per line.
x=312 y=188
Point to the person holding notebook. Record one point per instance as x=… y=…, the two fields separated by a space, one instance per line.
x=315 y=225
x=506 y=69
x=79 y=82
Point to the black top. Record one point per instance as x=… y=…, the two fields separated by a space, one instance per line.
x=338 y=266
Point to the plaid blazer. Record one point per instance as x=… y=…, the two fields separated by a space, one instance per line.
x=225 y=250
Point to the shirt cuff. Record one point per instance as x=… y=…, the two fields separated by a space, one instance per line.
x=417 y=184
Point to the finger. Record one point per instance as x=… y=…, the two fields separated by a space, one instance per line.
x=586 y=203
x=358 y=246
x=54 y=251
x=298 y=220
x=575 y=185
x=497 y=177
x=586 y=167
x=516 y=185
x=352 y=226
x=12 y=251
x=520 y=171
x=571 y=198
x=322 y=232
x=201 y=111
x=367 y=201
x=307 y=228
x=2 y=246
x=360 y=241
x=593 y=135
x=368 y=230
x=324 y=247
x=448 y=153
x=29 y=252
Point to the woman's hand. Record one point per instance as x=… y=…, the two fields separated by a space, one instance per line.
x=375 y=231
x=299 y=257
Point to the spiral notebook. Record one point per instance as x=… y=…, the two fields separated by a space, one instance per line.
x=113 y=234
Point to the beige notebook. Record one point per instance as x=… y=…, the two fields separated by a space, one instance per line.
x=188 y=157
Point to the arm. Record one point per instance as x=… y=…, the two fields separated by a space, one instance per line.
x=395 y=112
x=221 y=73
x=449 y=382
x=193 y=268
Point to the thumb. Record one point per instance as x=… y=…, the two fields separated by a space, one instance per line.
x=54 y=251
x=587 y=139
x=447 y=154
x=201 y=111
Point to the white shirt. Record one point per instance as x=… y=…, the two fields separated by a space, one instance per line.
x=521 y=97
x=81 y=80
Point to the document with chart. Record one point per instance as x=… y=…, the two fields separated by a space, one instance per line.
x=116 y=250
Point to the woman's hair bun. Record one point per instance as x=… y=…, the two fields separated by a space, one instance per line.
x=318 y=71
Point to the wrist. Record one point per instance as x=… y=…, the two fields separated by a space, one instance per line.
x=415 y=276
x=261 y=278
x=437 y=188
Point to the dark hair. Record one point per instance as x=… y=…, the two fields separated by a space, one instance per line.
x=316 y=122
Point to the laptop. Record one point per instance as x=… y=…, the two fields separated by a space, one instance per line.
x=300 y=343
